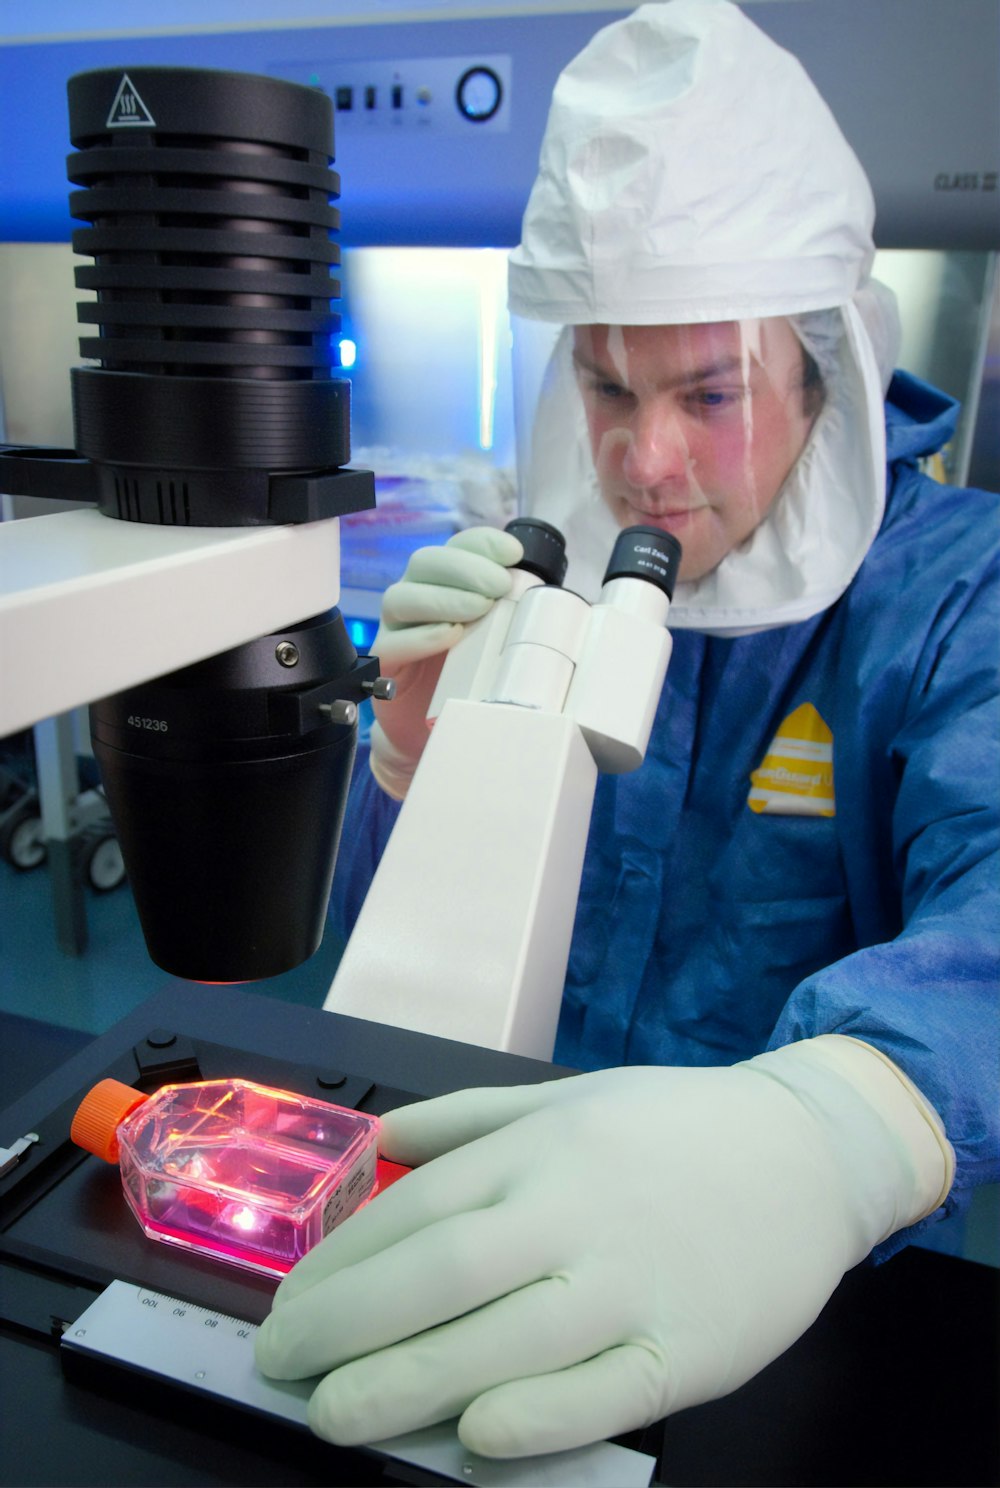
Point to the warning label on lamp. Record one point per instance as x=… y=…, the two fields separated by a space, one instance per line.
x=128 y=108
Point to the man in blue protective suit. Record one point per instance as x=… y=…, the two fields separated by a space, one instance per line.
x=784 y=970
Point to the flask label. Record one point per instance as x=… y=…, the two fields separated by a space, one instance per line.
x=355 y=1186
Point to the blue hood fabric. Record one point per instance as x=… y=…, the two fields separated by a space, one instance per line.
x=707 y=932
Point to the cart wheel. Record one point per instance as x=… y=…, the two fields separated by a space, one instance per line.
x=105 y=868
x=23 y=844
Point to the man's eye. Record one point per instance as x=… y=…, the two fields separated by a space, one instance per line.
x=599 y=388
x=709 y=400
x=610 y=392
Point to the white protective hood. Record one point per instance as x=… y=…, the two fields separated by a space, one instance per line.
x=691 y=173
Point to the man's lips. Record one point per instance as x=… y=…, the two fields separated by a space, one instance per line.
x=661 y=513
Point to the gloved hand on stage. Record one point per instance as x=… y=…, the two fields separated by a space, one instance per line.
x=422 y=617
x=583 y=1257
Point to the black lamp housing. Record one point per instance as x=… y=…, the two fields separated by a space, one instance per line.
x=212 y=400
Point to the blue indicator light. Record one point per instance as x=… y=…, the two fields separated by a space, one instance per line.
x=362 y=633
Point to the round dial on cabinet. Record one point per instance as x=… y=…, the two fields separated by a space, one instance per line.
x=478 y=94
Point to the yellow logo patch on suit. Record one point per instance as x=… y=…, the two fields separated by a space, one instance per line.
x=795 y=777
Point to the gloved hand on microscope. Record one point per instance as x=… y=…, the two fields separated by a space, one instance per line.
x=422 y=617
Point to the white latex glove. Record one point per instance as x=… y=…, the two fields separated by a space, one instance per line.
x=593 y=1253
x=422 y=617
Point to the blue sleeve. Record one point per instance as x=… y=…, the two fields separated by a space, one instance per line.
x=929 y=998
x=368 y=821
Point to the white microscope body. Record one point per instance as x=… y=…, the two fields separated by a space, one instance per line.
x=466 y=929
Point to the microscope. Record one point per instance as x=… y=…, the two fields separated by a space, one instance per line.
x=210 y=424
x=192 y=592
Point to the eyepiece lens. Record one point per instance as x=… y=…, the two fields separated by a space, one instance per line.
x=646 y=553
x=544 y=548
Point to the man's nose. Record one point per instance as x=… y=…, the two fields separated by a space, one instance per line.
x=656 y=449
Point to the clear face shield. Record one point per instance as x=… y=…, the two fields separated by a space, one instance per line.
x=756 y=443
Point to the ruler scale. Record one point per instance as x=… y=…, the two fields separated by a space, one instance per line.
x=212 y=1353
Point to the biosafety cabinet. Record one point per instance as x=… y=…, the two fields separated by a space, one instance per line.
x=439 y=113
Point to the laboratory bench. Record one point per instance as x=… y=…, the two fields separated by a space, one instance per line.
x=896 y=1383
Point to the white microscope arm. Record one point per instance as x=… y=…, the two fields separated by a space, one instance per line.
x=90 y=606
x=466 y=928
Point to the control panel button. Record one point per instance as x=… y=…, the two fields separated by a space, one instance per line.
x=478 y=94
